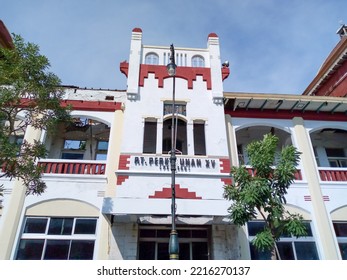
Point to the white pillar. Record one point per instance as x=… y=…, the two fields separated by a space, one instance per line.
x=111 y=167
x=324 y=228
x=14 y=208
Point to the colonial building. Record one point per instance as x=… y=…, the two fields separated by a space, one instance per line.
x=109 y=174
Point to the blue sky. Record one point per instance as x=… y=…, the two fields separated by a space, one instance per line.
x=273 y=46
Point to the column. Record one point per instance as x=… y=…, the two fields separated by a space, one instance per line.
x=324 y=227
x=14 y=208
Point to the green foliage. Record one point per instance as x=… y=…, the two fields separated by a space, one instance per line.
x=262 y=191
x=29 y=95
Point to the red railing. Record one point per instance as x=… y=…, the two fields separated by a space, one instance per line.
x=72 y=167
x=333 y=174
x=298 y=175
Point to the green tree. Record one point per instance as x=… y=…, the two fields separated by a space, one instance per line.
x=29 y=95
x=263 y=192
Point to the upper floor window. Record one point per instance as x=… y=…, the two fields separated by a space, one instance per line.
x=198 y=61
x=341 y=234
x=73 y=149
x=181 y=136
x=57 y=238
x=290 y=247
x=199 y=138
x=101 y=150
x=150 y=137
x=180 y=109
x=336 y=157
x=152 y=58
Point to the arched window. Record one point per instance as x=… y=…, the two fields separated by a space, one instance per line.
x=198 y=61
x=181 y=139
x=152 y=58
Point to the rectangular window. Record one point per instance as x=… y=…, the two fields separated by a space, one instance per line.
x=154 y=243
x=289 y=247
x=199 y=139
x=101 y=150
x=73 y=149
x=341 y=234
x=336 y=157
x=57 y=238
x=150 y=137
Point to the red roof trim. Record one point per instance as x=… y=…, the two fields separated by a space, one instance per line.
x=103 y=106
x=281 y=114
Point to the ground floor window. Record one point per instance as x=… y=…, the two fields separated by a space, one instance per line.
x=154 y=243
x=57 y=238
x=289 y=247
x=341 y=234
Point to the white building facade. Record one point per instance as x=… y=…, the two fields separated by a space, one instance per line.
x=109 y=180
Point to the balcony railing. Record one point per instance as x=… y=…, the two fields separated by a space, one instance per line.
x=298 y=175
x=80 y=167
x=332 y=174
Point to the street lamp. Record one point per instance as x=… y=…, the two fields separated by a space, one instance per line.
x=173 y=243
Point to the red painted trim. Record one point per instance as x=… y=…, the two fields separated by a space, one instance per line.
x=124 y=68
x=121 y=179
x=225 y=73
x=188 y=73
x=281 y=114
x=333 y=175
x=212 y=35
x=103 y=106
x=226 y=181
x=137 y=29
x=124 y=160
x=182 y=193
x=225 y=165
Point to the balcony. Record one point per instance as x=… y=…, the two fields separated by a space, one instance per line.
x=83 y=167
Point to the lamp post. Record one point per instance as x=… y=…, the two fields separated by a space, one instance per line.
x=173 y=243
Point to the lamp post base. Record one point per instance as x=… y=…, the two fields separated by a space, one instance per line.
x=173 y=246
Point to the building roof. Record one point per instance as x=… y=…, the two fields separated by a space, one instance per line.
x=5 y=37
x=335 y=60
x=285 y=105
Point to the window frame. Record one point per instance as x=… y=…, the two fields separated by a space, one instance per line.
x=285 y=240
x=45 y=238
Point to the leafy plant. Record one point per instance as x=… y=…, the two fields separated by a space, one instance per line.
x=262 y=192
x=29 y=95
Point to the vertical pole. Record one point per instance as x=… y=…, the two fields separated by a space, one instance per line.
x=173 y=242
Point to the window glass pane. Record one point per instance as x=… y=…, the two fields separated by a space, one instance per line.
x=150 y=138
x=85 y=226
x=103 y=145
x=340 y=229
x=259 y=255
x=199 y=139
x=35 y=225
x=286 y=250
x=163 y=251
x=306 y=251
x=71 y=156
x=74 y=145
x=255 y=227
x=199 y=251
x=184 y=251
x=184 y=233
x=335 y=152
x=163 y=233
x=147 y=250
x=30 y=249
x=343 y=250
x=147 y=232
x=101 y=156
x=199 y=233
x=82 y=250
x=60 y=226
x=57 y=250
